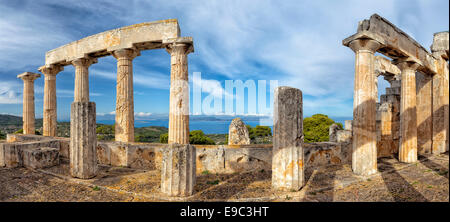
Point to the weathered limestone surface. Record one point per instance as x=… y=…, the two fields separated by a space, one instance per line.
x=441 y=44
x=41 y=157
x=385 y=141
x=343 y=136
x=364 y=157
x=10 y=138
x=124 y=128
x=348 y=125
x=238 y=133
x=83 y=140
x=332 y=132
x=179 y=92
x=424 y=112
x=394 y=42
x=82 y=78
x=178 y=170
x=288 y=157
x=408 y=112
x=148 y=35
x=11 y=154
x=50 y=113
x=28 y=101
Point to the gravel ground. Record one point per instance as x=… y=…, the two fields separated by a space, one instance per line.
x=426 y=180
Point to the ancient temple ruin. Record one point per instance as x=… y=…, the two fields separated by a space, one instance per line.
x=379 y=35
x=411 y=118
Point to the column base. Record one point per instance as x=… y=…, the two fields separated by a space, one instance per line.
x=288 y=169
x=178 y=170
x=83 y=140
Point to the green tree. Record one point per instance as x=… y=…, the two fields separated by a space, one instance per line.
x=316 y=128
x=164 y=138
x=2 y=135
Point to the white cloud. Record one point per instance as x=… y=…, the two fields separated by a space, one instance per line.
x=10 y=92
x=142 y=114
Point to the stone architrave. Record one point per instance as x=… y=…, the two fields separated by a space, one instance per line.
x=179 y=93
x=364 y=155
x=124 y=128
x=408 y=112
x=238 y=133
x=178 y=170
x=288 y=158
x=28 y=101
x=83 y=138
x=49 y=123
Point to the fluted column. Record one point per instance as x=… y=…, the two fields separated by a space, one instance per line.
x=50 y=113
x=28 y=115
x=408 y=112
x=364 y=155
x=82 y=78
x=440 y=91
x=124 y=128
x=83 y=139
x=179 y=94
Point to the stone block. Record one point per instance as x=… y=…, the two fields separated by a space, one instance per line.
x=332 y=132
x=238 y=133
x=83 y=140
x=119 y=154
x=141 y=157
x=241 y=160
x=343 y=136
x=103 y=154
x=348 y=125
x=178 y=170
x=288 y=157
x=37 y=158
x=10 y=155
x=210 y=159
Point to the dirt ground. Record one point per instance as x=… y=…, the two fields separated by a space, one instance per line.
x=426 y=180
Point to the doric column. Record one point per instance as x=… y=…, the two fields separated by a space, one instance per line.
x=82 y=78
x=124 y=128
x=83 y=139
x=288 y=159
x=28 y=101
x=440 y=91
x=179 y=93
x=364 y=155
x=50 y=114
x=408 y=112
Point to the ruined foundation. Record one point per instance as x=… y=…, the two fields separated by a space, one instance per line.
x=83 y=140
x=288 y=157
x=178 y=170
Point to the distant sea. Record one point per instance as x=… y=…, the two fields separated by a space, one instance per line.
x=207 y=126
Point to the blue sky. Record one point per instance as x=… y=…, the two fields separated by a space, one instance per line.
x=298 y=43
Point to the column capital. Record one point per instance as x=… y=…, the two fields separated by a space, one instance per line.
x=130 y=53
x=51 y=69
x=406 y=64
x=85 y=62
x=364 y=44
x=179 y=48
x=28 y=76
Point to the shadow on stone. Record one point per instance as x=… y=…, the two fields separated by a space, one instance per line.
x=400 y=189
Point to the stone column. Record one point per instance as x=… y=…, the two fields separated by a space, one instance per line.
x=178 y=169
x=288 y=158
x=408 y=113
x=50 y=114
x=83 y=139
x=82 y=78
x=440 y=92
x=364 y=155
x=124 y=128
x=179 y=93
x=28 y=101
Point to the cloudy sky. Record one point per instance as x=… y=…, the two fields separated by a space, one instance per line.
x=298 y=43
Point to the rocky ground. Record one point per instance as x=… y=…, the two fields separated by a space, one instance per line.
x=426 y=180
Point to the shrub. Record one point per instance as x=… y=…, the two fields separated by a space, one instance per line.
x=195 y=137
x=316 y=128
x=2 y=135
